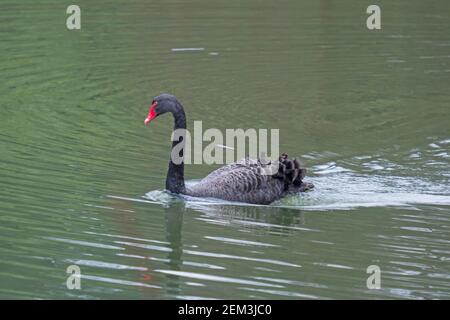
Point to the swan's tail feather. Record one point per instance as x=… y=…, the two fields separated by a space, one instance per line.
x=290 y=171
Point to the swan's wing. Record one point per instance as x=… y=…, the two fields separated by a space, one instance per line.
x=254 y=171
x=238 y=177
x=246 y=181
x=222 y=170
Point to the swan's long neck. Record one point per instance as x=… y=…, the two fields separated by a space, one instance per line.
x=175 y=174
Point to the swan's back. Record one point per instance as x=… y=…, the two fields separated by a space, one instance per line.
x=246 y=181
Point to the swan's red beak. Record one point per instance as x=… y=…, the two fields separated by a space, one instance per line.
x=151 y=114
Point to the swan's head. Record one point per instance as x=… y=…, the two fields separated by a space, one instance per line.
x=160 y=105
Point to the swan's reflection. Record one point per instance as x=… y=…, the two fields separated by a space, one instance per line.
x=266 y=218
x=174 y=223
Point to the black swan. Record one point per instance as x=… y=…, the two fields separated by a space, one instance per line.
x=241 y=181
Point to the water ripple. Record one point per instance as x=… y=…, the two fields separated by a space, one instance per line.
x=200 y=276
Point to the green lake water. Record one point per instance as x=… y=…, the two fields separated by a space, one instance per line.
x=82 y=179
